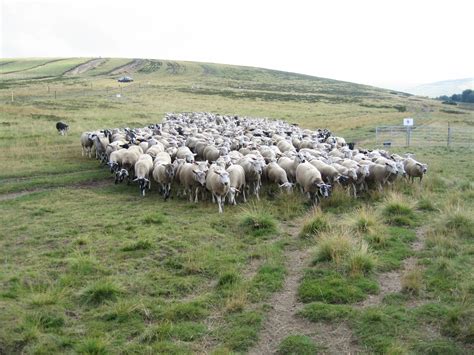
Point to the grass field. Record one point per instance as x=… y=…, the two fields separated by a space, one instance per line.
x=90 y=267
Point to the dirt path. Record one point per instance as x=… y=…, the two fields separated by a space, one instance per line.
x=129 y=67
x=391 y=281
x=282 y=319
x=82 y=68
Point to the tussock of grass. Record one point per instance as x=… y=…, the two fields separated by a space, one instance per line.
x=377 y=240
x=318 y=311
x=460 y=224
x=314 y=227
x=99 y=292
x=228 y=279
x=186 y=311
x=360 y=261
x=46 y=319
x=412 y=281
x=236 y=302
x=258 y=223
x=92 y=346
x=83 y=264
x=297 y=345
x=334 y=246
x=364 y=220
x=339 y=201
x=242 y=330
x=398 y=212
x=330 y=286
x=185 y=331
x=141 y=244
x=426 y=204
x=155 y=218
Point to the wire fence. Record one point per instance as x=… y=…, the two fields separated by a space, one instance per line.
x=50 y=92
x=429 y=135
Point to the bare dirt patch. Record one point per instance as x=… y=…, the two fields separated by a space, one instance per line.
x=128 y=68
x=82 y=68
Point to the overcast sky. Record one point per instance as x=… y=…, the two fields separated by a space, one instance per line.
x=392 y=44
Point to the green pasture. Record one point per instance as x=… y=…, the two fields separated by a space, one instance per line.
x=92 y=267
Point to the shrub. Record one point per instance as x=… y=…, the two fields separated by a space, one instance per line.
x=314 y=227
x=297 y=345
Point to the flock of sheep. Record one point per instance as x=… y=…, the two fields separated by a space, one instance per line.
x=230 y=157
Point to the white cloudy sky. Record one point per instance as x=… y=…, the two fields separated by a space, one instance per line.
x=385 y=43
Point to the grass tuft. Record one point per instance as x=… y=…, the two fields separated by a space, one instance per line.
x=314 y=227
x=141 y=244
x=318 y=311
x=99 y=292
x=360 y=261
x=412 y=281
x=297 y=345
x=258 y=223
x=460 y=224
x=92 y=346
x=156 y=218
x=398 y=212
x=334 y=247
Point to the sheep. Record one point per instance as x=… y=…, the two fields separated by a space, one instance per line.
x=253 y=174
x=163 y=174
x=290 y=165
x=310 y=180
x=329 y=173
x=237 y=183
x=185 y=153
x=192 y=178
x=378 y=174
x=155 y=149
x=414 y=169
x=218 y=183
x=143 y=168
x=276 y=174
x=87 y=144
x=129 y=158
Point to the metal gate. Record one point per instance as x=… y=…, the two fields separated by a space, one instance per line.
x=429 y=135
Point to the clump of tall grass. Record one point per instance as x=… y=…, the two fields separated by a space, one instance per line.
x=397 y=211
x=364 y=221
x=257 y=221
x=339 y=200
x=412 y=281
x=99 y=292
x=346 y=252
x=314 y=226
x=360 y=261
x=333 y=246
x=460 y=224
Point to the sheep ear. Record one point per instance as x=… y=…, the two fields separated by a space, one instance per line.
x=135 y=179
x=195 y=171
x=419 y=165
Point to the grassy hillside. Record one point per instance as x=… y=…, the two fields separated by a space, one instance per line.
x=91 y=267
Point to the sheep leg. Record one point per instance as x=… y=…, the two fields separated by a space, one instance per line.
x=196 y=198
x=243 y=194
x=219 y=202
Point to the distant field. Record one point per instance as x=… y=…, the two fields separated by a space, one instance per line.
x=91 y=267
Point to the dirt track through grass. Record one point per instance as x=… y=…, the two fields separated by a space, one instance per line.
x=282 y=319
